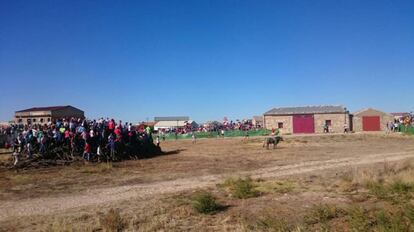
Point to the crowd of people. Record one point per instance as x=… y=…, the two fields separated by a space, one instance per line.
x=102 y=139
x=220 y=128
x=244 y=125
x=400 y=124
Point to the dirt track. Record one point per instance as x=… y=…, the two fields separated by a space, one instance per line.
x=357 y=154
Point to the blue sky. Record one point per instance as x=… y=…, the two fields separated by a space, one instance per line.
x=205 y=59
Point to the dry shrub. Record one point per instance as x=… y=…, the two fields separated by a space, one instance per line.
x=112 y=221
x=205 y=202
x=268 y=222
x=397 y=219
x=358 y=219
x=241 y=188
x=396 y=190
x=385 y=221
x=322 y=213
x=409 y=212
x=275 y=186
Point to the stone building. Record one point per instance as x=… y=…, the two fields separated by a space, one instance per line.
x=307 y=119
x=257 y=121
x=371 y=120
x=42 y=115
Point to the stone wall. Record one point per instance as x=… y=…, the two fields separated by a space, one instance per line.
x=35 y=115
x=272 y=122
x=337 y=122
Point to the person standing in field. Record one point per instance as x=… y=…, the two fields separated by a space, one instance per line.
x=194 y=138
x=15 y=156
x=390 y=126
x=111 y=126
x=86 y=152
x=99 y=153
x=29 y=150
x=111 y=145
x=345 y=128
x=163 y=135
x=158 y=141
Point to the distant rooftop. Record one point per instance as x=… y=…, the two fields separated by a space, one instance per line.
x=307 y=110
x=47 y=108
x=258 y=118
x=179 y=118
x=400 y=114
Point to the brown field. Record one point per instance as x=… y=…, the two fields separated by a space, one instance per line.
x=309 y=183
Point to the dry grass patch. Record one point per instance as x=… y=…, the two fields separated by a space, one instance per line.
x=275 y=186
x=98 y=168
x=269 y=223
x=112 y=221
x=241 y=188
x=65 y=225
x=320 y=216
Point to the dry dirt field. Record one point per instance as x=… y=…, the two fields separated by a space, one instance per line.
x=355 y=182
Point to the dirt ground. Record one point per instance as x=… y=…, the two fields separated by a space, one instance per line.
x=152 y=194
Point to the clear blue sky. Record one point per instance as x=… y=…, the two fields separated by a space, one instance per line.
x=205 y=59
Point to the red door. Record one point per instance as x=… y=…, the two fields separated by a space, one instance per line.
x=371 y=123
x=303 y=123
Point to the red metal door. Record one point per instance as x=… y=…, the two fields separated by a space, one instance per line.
x=303 y=123
x=371 y=123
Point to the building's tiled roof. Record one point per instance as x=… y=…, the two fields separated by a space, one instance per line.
x=306 y=110
x=400 y=114
x=47 y=108
x=364 y=111
x=150 y=124
x=181 y=118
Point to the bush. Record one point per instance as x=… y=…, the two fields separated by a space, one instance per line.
x=400 y=187
x=397 y=191
x=322 y=214
x=358 y=219
x=205 y=203
x=377 y=189
x=275 y=186
x=241 y=188
x=112 y=221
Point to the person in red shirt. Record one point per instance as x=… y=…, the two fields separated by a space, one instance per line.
x=111 y=126
x=118 y=134
x=87 y=151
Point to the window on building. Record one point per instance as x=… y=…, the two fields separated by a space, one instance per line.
x=280 y=125
x=34 y=120
x=41 y=120
x=20 y=120
x=328 y=122
x=48 y=119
